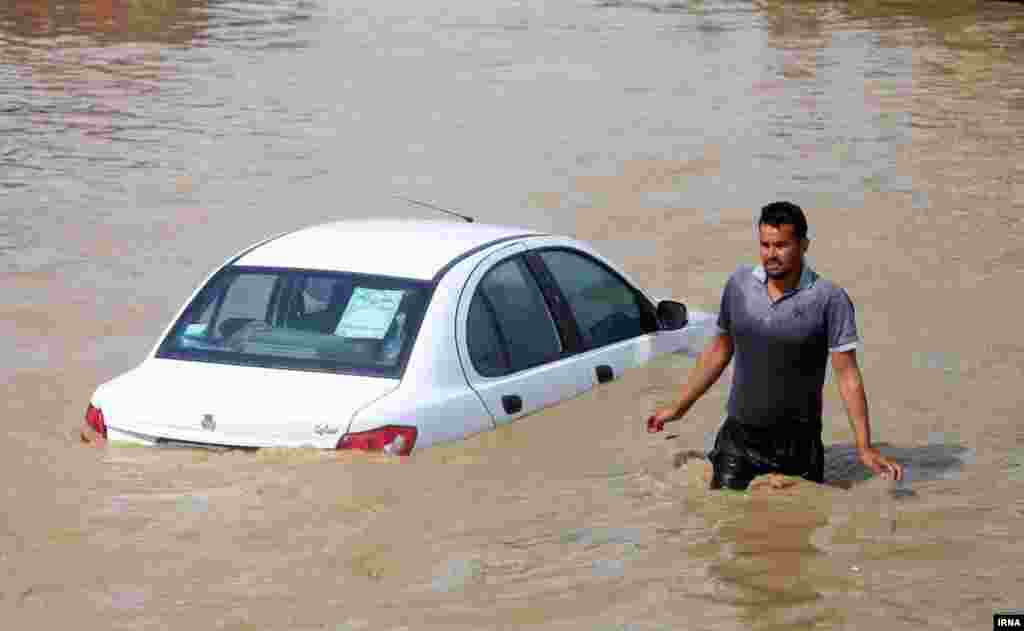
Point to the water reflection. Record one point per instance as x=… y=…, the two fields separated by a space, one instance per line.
x=795 y=24
x=83 y=62
x=174 y=22
x=766 y=561
x=966 y=39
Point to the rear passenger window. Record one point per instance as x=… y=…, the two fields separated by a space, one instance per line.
x=485 y=347
x=524 y=328
x=606 y=309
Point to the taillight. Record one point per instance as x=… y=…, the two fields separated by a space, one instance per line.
x=94 y=419
x=391 y=439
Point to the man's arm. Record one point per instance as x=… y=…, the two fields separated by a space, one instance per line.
x=710 y=364
x=851 y=389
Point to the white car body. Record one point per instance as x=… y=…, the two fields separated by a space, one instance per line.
x=435 y=387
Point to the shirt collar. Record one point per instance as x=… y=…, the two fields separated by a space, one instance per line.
x=807 y=276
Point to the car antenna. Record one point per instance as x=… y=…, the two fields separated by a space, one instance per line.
x=444 y=210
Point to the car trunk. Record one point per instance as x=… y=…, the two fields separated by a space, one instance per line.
x=241 y=406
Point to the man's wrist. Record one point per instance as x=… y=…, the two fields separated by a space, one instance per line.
x=865 y=448
x=681 y=409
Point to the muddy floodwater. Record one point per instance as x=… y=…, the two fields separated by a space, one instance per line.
x=143 y=142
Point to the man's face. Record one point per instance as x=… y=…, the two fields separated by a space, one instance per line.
x=781 y=251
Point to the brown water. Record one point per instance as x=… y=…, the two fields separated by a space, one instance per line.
x=145 y=141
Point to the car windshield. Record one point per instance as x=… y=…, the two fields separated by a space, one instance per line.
x=301 y=320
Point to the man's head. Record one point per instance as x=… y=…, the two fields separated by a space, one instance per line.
x=782 y=231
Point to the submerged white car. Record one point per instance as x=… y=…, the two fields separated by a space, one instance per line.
x=385 y=335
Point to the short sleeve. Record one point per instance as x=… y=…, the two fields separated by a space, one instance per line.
x=724 y=322
x=841 y=322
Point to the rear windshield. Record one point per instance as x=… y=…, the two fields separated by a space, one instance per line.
x=319 y=321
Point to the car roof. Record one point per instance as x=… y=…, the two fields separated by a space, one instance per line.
x=404 y=248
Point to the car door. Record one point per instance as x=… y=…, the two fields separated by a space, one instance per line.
x=616 y=323
x=511 y=348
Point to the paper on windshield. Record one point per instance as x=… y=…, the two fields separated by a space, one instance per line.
x=369 y=313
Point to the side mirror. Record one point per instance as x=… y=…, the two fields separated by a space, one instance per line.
x=671 y=315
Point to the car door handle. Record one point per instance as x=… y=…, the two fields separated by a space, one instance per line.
x=512 y=403
x=604 y=373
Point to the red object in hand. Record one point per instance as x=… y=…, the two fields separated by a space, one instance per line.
x=654 y=425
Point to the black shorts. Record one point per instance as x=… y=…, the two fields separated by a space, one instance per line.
x=743 y=452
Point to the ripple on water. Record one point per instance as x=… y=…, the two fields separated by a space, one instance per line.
x=609 y=568
x=458 y=574
x=1015 y=466
x=600 y=536
x=193 y=504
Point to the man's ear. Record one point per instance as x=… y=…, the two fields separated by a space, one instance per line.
x=804 y=244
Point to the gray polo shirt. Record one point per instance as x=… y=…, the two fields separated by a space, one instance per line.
x=782 y=347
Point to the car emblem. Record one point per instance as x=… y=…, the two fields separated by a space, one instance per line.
x=323 y=430
x=208 y=423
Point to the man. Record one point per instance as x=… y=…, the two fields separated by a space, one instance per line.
x=782 y=321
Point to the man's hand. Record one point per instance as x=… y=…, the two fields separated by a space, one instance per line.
x=90 y=436
x=656 y=422
x=879 y=464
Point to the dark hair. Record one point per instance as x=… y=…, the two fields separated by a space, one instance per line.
x=778 y=213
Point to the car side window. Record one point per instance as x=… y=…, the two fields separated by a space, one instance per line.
x=485 y=348
x=524 y=327
x=606 y=308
